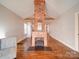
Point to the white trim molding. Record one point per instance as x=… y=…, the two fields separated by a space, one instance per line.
x=63 y=42
x=76 y=31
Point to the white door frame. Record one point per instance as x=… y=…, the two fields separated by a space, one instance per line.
x=76 y=31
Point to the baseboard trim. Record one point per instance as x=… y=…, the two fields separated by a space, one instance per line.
x=63 y=42
x=20 y=39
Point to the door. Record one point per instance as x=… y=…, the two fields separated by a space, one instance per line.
x=77 y=31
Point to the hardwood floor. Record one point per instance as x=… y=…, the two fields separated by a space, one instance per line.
x=59 y=51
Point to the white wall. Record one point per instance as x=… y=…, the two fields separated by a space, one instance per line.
x=63 y=28
x=10 y=23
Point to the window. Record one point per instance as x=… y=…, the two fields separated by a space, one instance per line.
x=25 y=28
x=2 y=34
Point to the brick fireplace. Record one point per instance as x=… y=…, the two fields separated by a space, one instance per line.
x=39 y=33
x=39 y=36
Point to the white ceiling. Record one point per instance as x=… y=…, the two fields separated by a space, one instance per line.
x=25 y=8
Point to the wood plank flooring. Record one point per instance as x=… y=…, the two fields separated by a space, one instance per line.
x=59 y=51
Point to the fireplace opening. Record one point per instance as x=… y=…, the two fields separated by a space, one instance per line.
x=39 y=45
x=39 y=42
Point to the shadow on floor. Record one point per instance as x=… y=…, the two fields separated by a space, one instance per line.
x=39 y=48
